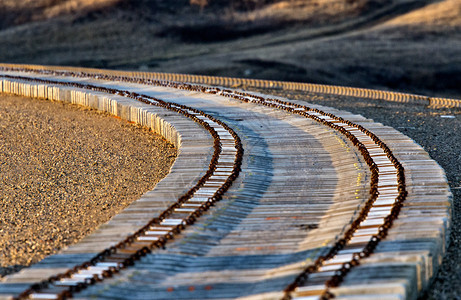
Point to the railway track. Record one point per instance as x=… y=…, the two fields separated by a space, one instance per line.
x=257 y=83
x=374 y=204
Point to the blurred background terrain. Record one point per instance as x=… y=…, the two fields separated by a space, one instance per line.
x=403 y=45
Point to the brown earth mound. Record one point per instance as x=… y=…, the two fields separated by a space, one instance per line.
x=410 y=46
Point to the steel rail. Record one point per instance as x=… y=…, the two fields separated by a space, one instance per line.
x=387 y=187
x=226 y=161
x=256 y=83
x=387 y=194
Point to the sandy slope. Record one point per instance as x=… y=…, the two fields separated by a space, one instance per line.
x=406 y=45
x=440 y=15
x=19 y=12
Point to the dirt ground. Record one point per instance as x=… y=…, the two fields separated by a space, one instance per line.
x=404 y=45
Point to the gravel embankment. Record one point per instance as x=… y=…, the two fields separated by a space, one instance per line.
x=439 y=132
x=64 y=170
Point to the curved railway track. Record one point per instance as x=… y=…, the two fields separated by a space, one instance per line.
x=258 y=83
x=223 y=168
x=320 y=278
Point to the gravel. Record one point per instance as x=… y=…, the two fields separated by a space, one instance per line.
x=438 y=131
x=64 y=170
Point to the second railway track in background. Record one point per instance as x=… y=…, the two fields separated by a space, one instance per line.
x=353 y=246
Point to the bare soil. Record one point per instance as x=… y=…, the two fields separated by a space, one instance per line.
x=404 y=45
